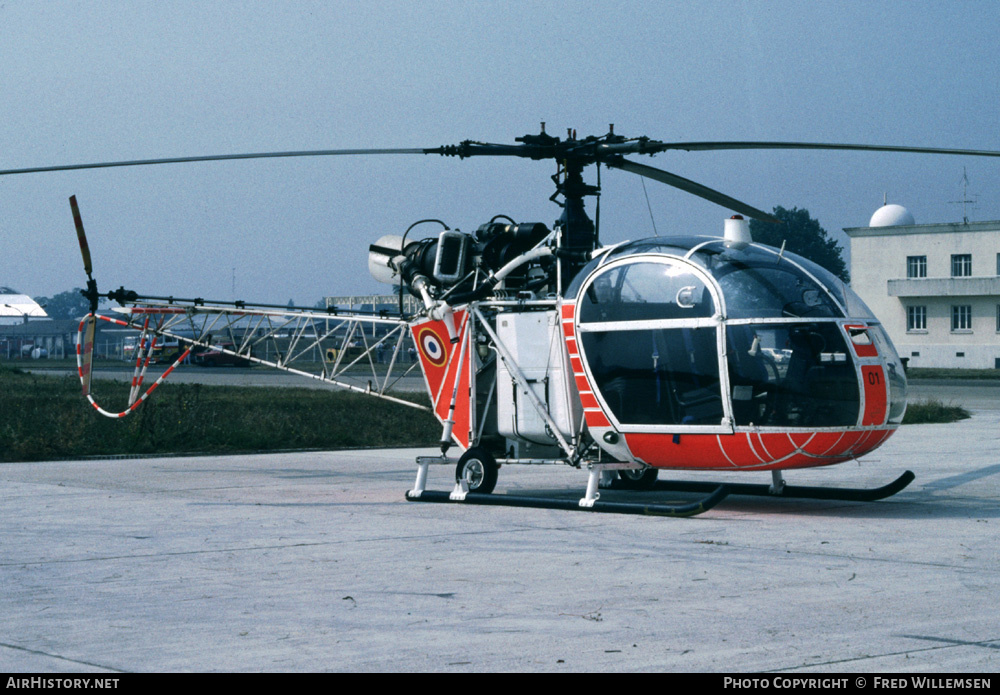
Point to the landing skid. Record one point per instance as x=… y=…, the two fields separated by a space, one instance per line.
x=590 y=503
x=715 y=492
x=718 y=493
x=793 y=491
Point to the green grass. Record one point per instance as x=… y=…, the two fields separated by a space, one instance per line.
x=70 y=363
x=45 y=417
x=933 y=411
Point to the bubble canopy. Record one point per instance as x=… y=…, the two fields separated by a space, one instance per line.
x=700 y=335
x=755 y=280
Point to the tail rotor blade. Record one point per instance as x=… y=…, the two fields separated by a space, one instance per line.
x=81 y=236
x=85 y=352
x=91 y=292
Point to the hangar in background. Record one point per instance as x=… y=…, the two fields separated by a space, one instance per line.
x=18 y=308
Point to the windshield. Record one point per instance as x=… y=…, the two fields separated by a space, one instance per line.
x=759 y=282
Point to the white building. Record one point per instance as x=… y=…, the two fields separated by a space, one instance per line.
x=18 y=308
x=935 y=287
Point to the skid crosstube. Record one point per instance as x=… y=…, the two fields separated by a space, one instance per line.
x=794 y=491
x=718 y=493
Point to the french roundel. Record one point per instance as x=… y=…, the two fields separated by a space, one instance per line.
x=431 y=347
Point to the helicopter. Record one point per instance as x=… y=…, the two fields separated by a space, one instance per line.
x=542 y=346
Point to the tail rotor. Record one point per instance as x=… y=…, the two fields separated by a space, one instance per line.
x=91 y=292
x=85 y=338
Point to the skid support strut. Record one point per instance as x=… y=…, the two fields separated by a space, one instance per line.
x=421 y=483
x=592 y=494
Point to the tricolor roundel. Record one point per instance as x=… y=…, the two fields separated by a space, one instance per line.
x=431 y=345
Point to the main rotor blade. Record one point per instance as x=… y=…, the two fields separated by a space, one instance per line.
x=691 y=187
x=652 y=147
x=555 y=149
x=219 y=157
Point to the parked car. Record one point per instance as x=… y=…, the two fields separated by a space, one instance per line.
x=215 y=357
x=779 y=356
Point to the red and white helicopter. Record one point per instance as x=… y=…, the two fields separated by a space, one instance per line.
x=541 y=346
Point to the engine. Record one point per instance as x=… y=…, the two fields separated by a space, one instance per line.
x=464 y=267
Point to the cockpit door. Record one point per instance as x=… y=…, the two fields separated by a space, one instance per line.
x=875 y=396
x=649 y=332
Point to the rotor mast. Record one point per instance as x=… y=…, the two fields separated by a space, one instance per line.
x=578 y=233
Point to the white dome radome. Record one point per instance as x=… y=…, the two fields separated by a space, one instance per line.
x=891 y=216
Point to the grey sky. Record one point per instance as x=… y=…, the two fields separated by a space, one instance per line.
x=99 y=81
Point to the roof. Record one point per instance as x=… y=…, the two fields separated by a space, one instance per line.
x=19 y=305
x=941 y=228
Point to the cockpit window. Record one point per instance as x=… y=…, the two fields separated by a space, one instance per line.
x=662 y=373
x=834 y=284
x=669 y=246
x=646 y=290
x=658 y=377
x=856 y=308
x=791 y=375
x=895 y=375
x=771 y=290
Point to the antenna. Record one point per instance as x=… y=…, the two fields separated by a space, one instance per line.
x=648 y=207
x=965 y=197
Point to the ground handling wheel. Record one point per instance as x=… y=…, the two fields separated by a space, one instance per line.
x=478 y=469
x=637 y=479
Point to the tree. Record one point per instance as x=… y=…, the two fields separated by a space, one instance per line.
x=65 y=305
x=803 y=235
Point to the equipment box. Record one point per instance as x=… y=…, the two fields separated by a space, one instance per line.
x=536 y=344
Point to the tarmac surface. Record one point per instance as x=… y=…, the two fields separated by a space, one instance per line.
x=314 y=561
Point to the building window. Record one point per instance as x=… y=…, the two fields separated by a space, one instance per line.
x=961 y=317
x=998 y=318
x=916 y=318
x=961 y=265
x=916 y=266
